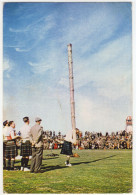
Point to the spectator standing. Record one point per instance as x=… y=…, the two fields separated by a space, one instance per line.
x=5 y=129
x=10 y=147
x=26 y=149
x=36 y=139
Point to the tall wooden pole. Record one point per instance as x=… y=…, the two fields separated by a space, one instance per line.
x=71 y=84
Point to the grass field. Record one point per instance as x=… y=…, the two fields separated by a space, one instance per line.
x=95 y=171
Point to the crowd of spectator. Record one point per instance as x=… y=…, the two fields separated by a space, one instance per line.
x=118 y=140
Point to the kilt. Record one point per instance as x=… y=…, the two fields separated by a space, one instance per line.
x=66 y=148
x=26 y=149
x=10 y=149
x=4 y=144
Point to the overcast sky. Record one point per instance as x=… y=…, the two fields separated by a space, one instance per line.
x=36 y=80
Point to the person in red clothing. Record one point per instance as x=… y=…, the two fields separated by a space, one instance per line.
x=55 y=146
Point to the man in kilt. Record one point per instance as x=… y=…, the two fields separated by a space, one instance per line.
x=5 y=129
x=36 y=138
x=67 y=146
x=10 y=149
x=26 y=149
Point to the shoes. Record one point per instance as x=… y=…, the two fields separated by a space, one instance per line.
x=22 y=169
x=13 y=169
x=69 y=165
x=26 y=169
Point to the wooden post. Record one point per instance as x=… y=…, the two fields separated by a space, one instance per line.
x=71 y=84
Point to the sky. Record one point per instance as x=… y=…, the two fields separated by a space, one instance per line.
x=35 y=64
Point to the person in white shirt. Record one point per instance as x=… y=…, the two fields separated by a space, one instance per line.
x=26 y=149
x=67 y=146
x=5 y=129
x=10 y=146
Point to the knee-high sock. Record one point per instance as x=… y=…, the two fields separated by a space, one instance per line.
x=7 y=163
x=26 y=162
x=68 y=159
x=12 y=163
x=22 y=161
x=4 y=163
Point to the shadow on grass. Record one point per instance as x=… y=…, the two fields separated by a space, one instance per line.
x=49 y=158
x=93 y=160
x=55 y=157
x=50 y=168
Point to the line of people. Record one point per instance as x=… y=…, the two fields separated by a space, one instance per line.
x=31 y=145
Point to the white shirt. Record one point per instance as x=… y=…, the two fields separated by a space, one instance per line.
x=11 y=132
x=129 y=129
x=6 y=132
x=71 y=136
x=25 y=131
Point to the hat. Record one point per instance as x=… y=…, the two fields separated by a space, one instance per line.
x=5 y=122
x=38 y=119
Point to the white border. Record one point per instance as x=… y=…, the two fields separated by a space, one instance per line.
x=134 y=91
x=133 y=68
x=1 y=98
x=74 y=1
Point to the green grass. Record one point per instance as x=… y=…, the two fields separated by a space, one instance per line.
x=95 y=171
